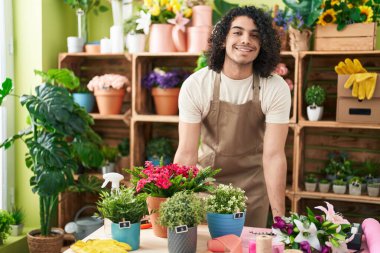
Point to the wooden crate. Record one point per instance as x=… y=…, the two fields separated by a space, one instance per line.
x=318 y=68
x=145 y=63
x=86 y=66
x=360 y=36
x=317 y=142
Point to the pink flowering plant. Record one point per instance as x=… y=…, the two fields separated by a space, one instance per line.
x=109 y=81
x=314 y=233
x=165 y=180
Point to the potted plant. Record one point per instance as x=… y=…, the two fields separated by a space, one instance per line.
x=17 y=224
x=339 y=186
x=67 y=79
x=355 y=186
x=136 y=36
x=163 y=181
x=159 y=148
x=109 y=91
x=165 y=86
x=311 y=183
x=54 y=120
x=5 y=225
x=338 y=166
x=110 y=155
x=315 y=97
x=226 y=210
x=125 y=210
x=324 y=185
x=373 y=189
x=124 y=161
x=181 y=214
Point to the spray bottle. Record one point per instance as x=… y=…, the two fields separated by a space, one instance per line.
x=114 y=178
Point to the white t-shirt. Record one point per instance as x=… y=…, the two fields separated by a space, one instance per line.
x=196 y=94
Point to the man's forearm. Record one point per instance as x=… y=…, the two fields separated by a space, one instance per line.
x=186 y=158
x=275 y=178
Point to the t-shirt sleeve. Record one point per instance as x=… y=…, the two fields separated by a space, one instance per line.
x=189 y=102
x=279 y=102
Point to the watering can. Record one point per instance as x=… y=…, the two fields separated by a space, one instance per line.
x=82 y=227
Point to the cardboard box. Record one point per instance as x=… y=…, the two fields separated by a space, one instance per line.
x=360 y=36
x=351 y=110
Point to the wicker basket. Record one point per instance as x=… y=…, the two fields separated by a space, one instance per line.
x=50 y=244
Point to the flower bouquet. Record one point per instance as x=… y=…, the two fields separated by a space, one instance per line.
x=321 y=233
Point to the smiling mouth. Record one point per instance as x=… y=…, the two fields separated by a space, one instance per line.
x=244 y=49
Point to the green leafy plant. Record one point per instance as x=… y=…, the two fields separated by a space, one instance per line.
x=5 y=90
x=315 y=95
x=124 y=147
x=201 y=62
x=183 y=208
x=60 y=77
x=6 y=221
x=122 y=205
x=226 y=199
x=306 y=9
x=18 y=215
x=220 y=8
x=87 y=5
x=55 y=120
x=87 y=183
x=371 y=168
x=110 y=154
x=324 y=181
x=311 y=178
x=355 y=181
x=339 y=182
x=159 y=147
x=130 y=26
x=338 y=164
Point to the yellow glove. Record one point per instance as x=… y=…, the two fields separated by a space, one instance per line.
x=363 y=85
x=349 y=67
x=100 y=246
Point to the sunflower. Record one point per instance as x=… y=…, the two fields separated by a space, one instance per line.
x=327 y=17
x=367 y=12
x=334 y=2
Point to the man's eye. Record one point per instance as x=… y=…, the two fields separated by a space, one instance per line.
x=237 y=33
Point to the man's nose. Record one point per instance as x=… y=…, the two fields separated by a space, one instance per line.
x=246 y=38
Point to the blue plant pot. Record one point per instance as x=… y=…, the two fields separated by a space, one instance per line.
x=224 y=224
x=156 y=161
x=86 y=100
x=130 y=235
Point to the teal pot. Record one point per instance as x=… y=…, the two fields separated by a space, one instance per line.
x=224 y=224
x=129 y=235
x=182 y=242
x=156 y=161
x=86 y=100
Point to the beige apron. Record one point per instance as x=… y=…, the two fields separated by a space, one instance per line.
x=232 y=139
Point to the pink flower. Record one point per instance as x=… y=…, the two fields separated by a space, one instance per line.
x=108 y=81
x=290 y=83
x=335 y=218
x=281 y=69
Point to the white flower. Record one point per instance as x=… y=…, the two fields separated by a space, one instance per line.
x=143 y=22
x=282 y=237
x=308 y=234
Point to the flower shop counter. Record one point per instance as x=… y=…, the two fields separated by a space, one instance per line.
x=149 y=243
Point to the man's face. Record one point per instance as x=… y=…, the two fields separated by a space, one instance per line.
x=242 y=42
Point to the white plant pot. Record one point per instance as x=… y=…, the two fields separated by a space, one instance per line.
x=373 y=191
x=135 y=42
x=355 y=190
x=310 y=187
x=314 y=113
x=339 y=189
x=324 y=187
x=16 y=230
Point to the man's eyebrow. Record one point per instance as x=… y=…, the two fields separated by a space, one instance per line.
x=241 y=28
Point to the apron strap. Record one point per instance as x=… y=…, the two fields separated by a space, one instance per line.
x=215 y=96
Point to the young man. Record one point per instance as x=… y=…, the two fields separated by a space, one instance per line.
x=240 y=111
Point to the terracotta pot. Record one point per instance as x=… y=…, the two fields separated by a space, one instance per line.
x=153 y=206
x=197 y=38
x=160 y=39
x=299 y=40
x=51 y=244
x=202 y=15
x=166 y=100
x=109 y=101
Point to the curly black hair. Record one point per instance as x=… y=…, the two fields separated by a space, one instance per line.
x=269 y=55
